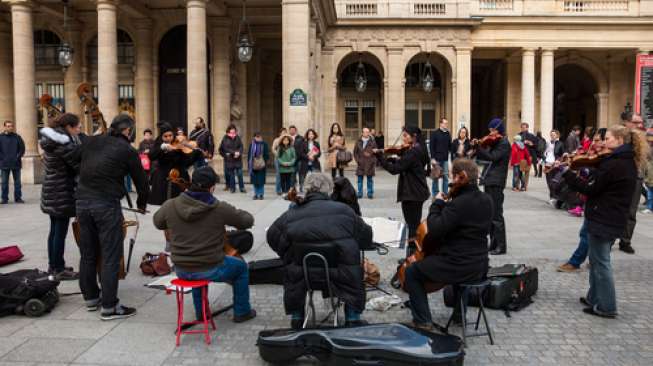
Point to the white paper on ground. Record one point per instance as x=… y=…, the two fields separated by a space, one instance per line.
x=386 y=231
x=383 y=303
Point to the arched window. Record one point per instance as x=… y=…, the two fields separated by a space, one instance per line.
x=46 y=46
x=125 y=49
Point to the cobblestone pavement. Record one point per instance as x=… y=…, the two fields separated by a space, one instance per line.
x=553 y=330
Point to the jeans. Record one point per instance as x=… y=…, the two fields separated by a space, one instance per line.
x=277 y=176
x=101 y=233
x=370 y=186
x=233 y=271
x=18 y=194
x=601 y=293
x=259 y=190
x=286 y=182
x=649 y=197
x=580 y=254
x=231 y=175
x=445 y=179
x=498 y=229
x=518 y=178
x=57 y=243
x=128 y=183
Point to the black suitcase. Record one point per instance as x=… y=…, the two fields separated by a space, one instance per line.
x=378 y=344
x=266 y=272
x=511 y=282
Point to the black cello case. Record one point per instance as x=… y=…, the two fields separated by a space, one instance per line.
x=378 y=344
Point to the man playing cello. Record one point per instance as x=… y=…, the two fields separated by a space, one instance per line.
x=459 y=228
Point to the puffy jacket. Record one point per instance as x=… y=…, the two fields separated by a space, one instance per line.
x=61 y=169
x=499 y=157
x=228 y=147
x=12 y=149
x=319 y=221
x=518 y=154
x=609 y=192
x=287 y=159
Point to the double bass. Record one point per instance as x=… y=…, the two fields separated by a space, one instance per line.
x=425 y=245
x=85 y=94
x=46 y=103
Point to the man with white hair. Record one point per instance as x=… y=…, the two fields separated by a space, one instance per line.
x=318 y=223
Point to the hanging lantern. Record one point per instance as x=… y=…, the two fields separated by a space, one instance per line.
x=427 y=77
x=245 y=43
x=65 y=52
x=360 y=80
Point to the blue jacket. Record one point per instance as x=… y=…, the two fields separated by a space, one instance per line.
x=12 y=149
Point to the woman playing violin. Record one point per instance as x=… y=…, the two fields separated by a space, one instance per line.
x=458 y=231
x=412 y=189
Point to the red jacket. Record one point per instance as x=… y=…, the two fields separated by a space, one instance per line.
x=518 y=154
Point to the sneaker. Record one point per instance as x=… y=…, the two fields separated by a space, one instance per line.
x=583 y=300
x=119 y=312
x=66 y=275
x=568 y=268
x=20 y=201
x=370 y=196
x=246 y=317
x=597 y=312
x=93 y=305
x=628 y=249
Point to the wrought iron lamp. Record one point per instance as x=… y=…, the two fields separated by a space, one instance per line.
x=65 y=51
x=245 y=43
x=360 y=80
x=427 y=77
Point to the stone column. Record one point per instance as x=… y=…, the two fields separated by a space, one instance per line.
x=601 y=109
x=196 y=67
x=221 y=92
x=6 y=79
x=295 y=61
x=528 y=86
x=144 y=78
x=463 y=88
x=74 y=75
x=396 y=96
x=513 y=94
x=107 y=65
x=24 y=98
x=546 y=92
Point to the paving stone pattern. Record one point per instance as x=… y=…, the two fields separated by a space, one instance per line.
x=551 y=331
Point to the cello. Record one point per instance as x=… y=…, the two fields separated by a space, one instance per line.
x=426 y=245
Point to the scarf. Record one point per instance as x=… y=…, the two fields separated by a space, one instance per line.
x=520 y=144
x=206 y=197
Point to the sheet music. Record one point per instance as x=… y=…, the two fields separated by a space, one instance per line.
x=386 y=231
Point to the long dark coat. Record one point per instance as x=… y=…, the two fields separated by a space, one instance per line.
x=499 y=158
x=163 y=162
x=365 y=158
x=461 y=226
x=319 y=221
x=412 y=174
x=228 y=147
x=258 y=176
x=302 y=157
x=61 y=169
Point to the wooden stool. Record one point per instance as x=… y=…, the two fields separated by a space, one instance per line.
x=206 y=311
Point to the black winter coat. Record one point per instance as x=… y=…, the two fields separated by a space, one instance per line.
x=454 y=149
x=532 y=150
x=314 y=222
x=302 y=158
x=461 y=227
x=412 y=174
x=204 y=140
x=499 y=158
x=12 y=149
x=163 y=162
x=440 y=145
x=609 y=192
x=61 y=169
x=228 y=147
x=558 y=149
x=105 y=161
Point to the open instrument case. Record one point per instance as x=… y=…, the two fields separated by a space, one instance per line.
x=378 y=344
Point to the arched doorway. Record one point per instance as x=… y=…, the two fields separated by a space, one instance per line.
x=359 y=108
x=575 y=98
x=425 y=106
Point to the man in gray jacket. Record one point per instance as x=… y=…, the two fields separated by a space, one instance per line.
x=196 y=220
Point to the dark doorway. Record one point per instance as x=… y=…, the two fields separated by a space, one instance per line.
x=575 y=102
x=488 y=90
x=173 y=107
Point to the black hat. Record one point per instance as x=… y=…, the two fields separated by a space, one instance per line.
x=121 y=122
x=203 y=179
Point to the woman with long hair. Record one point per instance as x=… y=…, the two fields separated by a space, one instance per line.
x=412 y=189
x=609 y=193
x=286 y=157
x=59 y=143
x=309 y=156
x=336 y=144
x=460 y=145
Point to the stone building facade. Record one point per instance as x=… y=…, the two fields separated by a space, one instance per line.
x=552 y=63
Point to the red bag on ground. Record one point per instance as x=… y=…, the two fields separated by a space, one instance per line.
x=10 y=255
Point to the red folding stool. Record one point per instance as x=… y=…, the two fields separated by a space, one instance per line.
x=206 y=310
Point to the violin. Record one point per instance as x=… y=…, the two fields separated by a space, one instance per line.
x=488 y=141
x=396 y=150
x=425 y=244
x=183 y=145
x=174 y=177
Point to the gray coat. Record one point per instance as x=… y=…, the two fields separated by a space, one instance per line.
x=365 y=158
